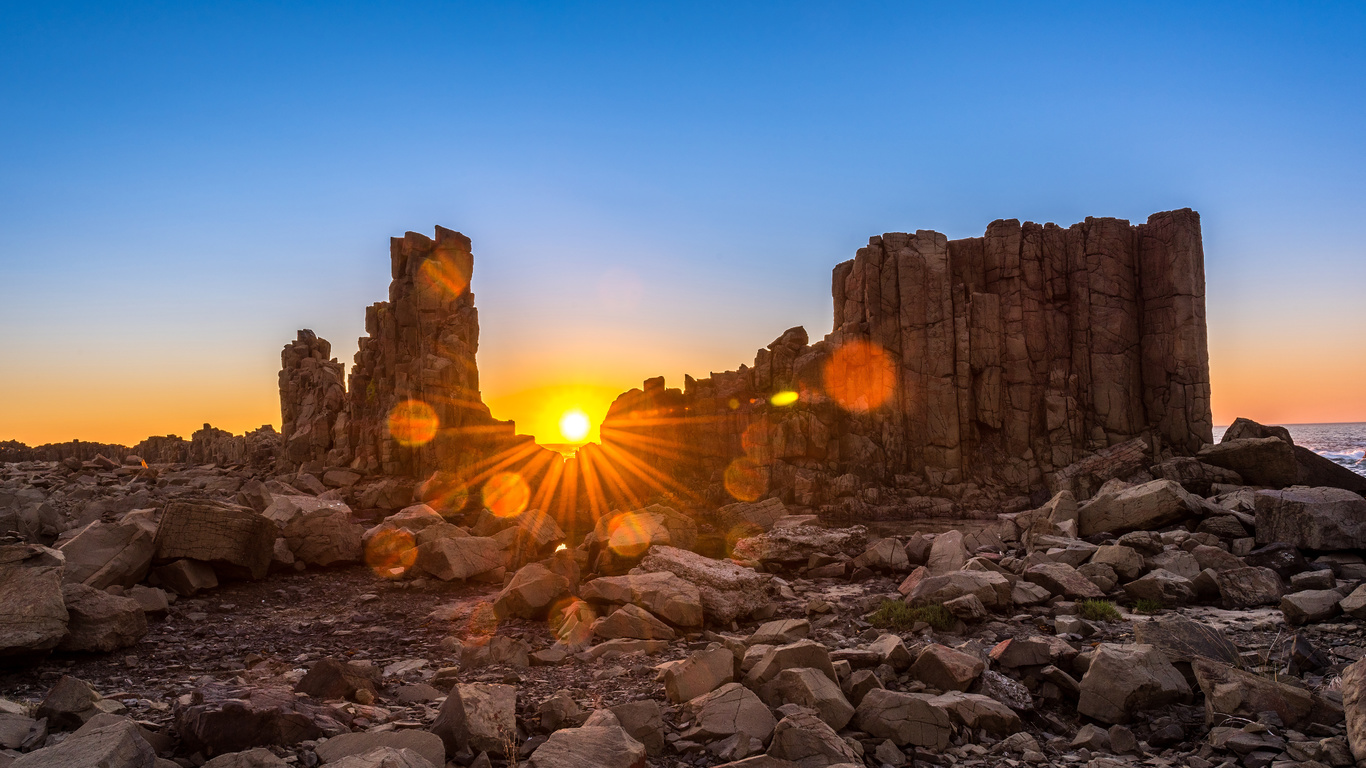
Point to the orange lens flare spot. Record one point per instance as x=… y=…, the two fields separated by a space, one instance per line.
x=786 y=397
x=447 y=272
x=506 y=494
x=746 y=480
x=392 y=553
x=629 y=535
x=446 y=493
x=860 y=376
x=574 y=425
x=412 y=423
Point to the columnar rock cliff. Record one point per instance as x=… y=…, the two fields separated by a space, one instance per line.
x=991 y=361
x=312 y=400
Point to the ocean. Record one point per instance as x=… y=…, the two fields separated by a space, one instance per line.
x=1343 y=443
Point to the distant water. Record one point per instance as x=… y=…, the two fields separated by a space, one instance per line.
x=1343 y=443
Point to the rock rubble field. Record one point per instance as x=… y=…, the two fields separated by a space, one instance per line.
x=1199 y=612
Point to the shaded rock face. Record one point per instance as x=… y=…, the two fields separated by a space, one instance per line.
x=312 y=398
x=1000 y=360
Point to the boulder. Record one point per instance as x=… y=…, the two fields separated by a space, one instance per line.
x=1265 y=461
x=69 y=704
x=449 y=559
x=428 y=745
x=728 y=591
x=803 y=653
x=1231 y=692
x=1161 y=586
x=1032 y=651
x=744 y=519
x=1124 y=679
x=662 y=594
x=796 y=544
x=105 y=554
x=116 y=745
x=627 y=535
x=780 y=632
x=992 y=588
x=531 y=593
x=633 y=622
x=884 y=555
x=1062 y=580
x=804 y=739
x=1279 y=556
x=946 y=669
x=1312 y=518
x=259 y=757
x=947 y=553
x=1354 y=708
x=411 y=520
x=1354 y=604
x=336 y=679
x=1182 y=640
x=700 y=673
x=100 y=621
x=1143 y=507
x=976 y=711
x=222 y=719
x=481 y=716
x=891 y=650
x=385 y=757
x=317 y=531
x=1311 y=605
x=591 y=746
x=1248 y=587
x=236 y=541
x=1194 y=475
x=809 y=688
x=726 y=711
x=643 y=720
x=905 y=718
x=33 y=613
x=1126 y=562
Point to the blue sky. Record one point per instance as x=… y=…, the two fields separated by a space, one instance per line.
x=650 y=188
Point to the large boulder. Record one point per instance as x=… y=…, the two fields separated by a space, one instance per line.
x=1312 y=518
x=626 y=536
x=318 y=532
x=33 y=613
x=700 y=673
x=796 y=544
x=235 y=540
x=992 y=588
x=100 y=621
x=1354 y=708
x=1194 y=475
x=947 y=553
x=1062 y=580
x=489 y=717
x=449 y=559
x=591 y=746
x=531 y=593
x=905 y=718
x=1233 y=693
x=116 y=745
x=726 y=711
x=336 y=679
x=727 y=590
x=426 y=744
x=632 y=621
x=219 y=719
x=1125 y=679
x=1267 y=461
x=1248 y=587
x=1182 y=640
x=663 y=594
x=976 y=711
x=106 y=554
x=1143 y=507
x=806 y=740
x=809 y=687
x=385 y=757
x=946 y=669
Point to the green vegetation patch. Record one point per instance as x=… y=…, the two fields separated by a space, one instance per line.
x=894 y=614
x=1098 y=610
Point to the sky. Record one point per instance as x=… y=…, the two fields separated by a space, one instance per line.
x=651 y=188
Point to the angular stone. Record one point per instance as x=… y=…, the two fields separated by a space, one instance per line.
x=1032 y=651
x=105 y=554
x=1311 y=605
x=1183 y=640
x=803 y=653
x=489 y=711
x=33 y=612
x=905 y=718
x=979 y=712
x=1231 y=692
x=1126 y=562
x=892 y=651
x=728 y=591
x=100 y=621
x=946 y=669
x=701 y=672
x=385 y=757
x=1163 y=587
x=643 y=720
x=728 y=710
x=69 y=704
x=1062 y=580
x=1267 y=461
x=604 y=746
x=1194 y=475
x=947 y=553
x=186 y=577
x=259 y=757
x=1144 y=507
x=344 y=745
x=449 y=559
x=117 y=745
x=1354 y=707
x=884 y=555
x=221 y=719
x=744 y=519
x=809 y=688
x=993 y=589
x=1312 y=518
x=662 y=594
x=1248 y=587
x=531 y=593
x=807 y=741
x=780 y=632
x=318 y=532
x=797 y=544
x=1354 y=605
x=1124 y=679
x=236 y=541
x=335 y=679
x=632 y=622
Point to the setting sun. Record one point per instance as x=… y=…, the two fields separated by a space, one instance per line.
x=574 y=425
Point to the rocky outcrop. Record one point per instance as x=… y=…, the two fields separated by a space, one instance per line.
x=1001 y=360
x=312 y=401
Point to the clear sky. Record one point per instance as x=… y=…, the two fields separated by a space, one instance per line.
x=651 y=188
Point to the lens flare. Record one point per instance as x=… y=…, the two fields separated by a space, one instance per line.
x=786 y=397
x=447 y=271
x=391 y=554
x=412 y=423
x=860 y=376
x=574 y=425
x=631 y=534
x=746 y=480
x=506 y=494
x=446 y=493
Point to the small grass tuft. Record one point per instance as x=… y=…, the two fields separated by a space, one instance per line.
x=894 y=614
x=1148 y=607
x=1098 y=610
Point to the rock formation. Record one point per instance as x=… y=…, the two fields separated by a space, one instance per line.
x=312 y=399
x=988 y=362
